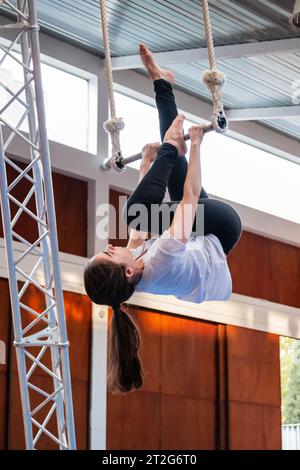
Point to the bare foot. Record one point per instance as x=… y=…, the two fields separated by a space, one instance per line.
x=154 y=70
x=174 y=135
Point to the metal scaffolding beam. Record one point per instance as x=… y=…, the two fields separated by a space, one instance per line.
x=233 y=51
x=40 y=333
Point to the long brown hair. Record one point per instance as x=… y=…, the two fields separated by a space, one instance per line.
x=106 y=284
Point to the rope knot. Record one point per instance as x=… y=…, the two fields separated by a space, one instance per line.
x=214 y=78
x=115 y=125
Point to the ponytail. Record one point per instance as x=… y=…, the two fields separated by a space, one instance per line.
x=124 y=366
x=106 y=284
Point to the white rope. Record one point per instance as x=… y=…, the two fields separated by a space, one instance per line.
x=213 y=78
x=114 y=125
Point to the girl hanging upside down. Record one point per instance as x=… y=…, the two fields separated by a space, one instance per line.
x=185 y=259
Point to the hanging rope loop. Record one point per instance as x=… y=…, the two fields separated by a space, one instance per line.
x=213 y=78
x=114 y=125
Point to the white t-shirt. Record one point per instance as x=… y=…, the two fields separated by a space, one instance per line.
x=196 y=271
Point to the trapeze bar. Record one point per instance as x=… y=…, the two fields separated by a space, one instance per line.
x=27 y=344
x=119 y=162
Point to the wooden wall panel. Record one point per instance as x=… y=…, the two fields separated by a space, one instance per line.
x=187 y=423
x=5 y=336
x=117 y=230
x=71 y=201
x=71 y=196
x=254 y=427
x=188 y=355
x=266 y=269
x=79 y=325
x=149 y=324
x=285 y=274
x=212 y=387
x=133 y=421
x=188 y=383
x=249 y=264
x=179 y=359
x=253 y=389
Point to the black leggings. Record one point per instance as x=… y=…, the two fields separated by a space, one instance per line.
x=169 y=171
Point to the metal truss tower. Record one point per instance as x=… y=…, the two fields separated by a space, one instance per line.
x=33 y=265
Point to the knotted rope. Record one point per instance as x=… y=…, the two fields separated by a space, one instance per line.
x=213 y=78
x=114 y=125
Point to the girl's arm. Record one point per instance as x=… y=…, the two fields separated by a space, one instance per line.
x=184 y=216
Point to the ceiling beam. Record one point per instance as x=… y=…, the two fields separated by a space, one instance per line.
x=234 y=51
x=259 y=114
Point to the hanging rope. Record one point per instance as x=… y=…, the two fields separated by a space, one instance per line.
x=114 y=125
x=213 y=78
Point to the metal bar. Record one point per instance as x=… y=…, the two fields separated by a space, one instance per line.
x=12 y=135
x=49 y=197
x=44 y=424
x=259 y=114
x=28 y=282
x=31 y=280
x=38 y=390
x=37 y=320
x=123 y=161
x=14 y=296
x=50 y=324
x=31 y=214
x=12 y=27
x=16 y=10
x=47 y=343
x=7 y=52
x=19 y=170
x=15 y=131
x=29 y=250
x=23 y=204
x=39 y=317
x=43 y=403
x=41 y=365
x=46 y=249
x=15 y=97
x=234 y=51
x=34 y=365
x=22 y=174
x=26 y=242
x=30 y=310
x=49 y=434
x=12 y=45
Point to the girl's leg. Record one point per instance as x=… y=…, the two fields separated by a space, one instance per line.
x=167 y=111
x=219 y=219
x=151 y=191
